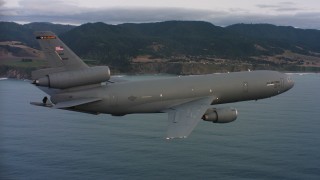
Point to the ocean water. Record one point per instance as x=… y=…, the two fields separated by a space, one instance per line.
x=276 y=138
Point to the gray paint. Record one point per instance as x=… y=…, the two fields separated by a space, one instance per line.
x=153 y=96
x=186 y=99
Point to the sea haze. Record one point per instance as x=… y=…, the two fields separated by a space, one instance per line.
x=275 y=138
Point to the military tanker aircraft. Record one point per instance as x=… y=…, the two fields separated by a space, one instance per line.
x=73 y=85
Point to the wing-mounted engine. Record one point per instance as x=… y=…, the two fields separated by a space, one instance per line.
x=221 y=115
x=81 y=77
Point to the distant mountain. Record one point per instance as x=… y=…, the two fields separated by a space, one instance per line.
x=176 y=38
x=192 y=38
x=160 y=40
x=10 y=31
x=280 y=36
x=176 y=29
x=45 y=26
x=116 y=45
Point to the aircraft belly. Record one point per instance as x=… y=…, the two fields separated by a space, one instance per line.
x=157 y=106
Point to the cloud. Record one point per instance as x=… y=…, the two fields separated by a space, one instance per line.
x=60 y=12
x=112 y=15
x=148 y=15
x=267 y=6
x=281 y=7
x=2 y=9
x=287 y=9
x=2 y=3
x=53 y=7
x=286 y=3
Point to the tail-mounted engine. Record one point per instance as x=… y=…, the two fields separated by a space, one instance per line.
x=223 y=115
x=68 y=79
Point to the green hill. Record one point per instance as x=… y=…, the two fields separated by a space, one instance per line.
x=10 y=31
x=284 y=37
x=173 y=38
x=173 y=41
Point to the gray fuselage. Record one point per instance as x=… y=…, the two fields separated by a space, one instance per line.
x=152 y=96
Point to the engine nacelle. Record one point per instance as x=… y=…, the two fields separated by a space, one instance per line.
x=223 y=115
x=68 y=79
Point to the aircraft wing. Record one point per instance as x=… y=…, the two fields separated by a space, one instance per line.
x=184 y=118
x=76 y=102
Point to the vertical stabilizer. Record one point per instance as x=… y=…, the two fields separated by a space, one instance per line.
x=57 y=53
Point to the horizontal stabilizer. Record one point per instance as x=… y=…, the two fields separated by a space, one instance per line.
x=67 y=104
x=76 y=102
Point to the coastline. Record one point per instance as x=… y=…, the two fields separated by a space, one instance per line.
x=7 y=71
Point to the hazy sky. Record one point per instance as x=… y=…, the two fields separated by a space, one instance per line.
x=297 y=13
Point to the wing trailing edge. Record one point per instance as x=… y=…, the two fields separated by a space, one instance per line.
x=67 y=104
x=185 y=117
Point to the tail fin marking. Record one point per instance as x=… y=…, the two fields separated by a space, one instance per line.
x=57 y=53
